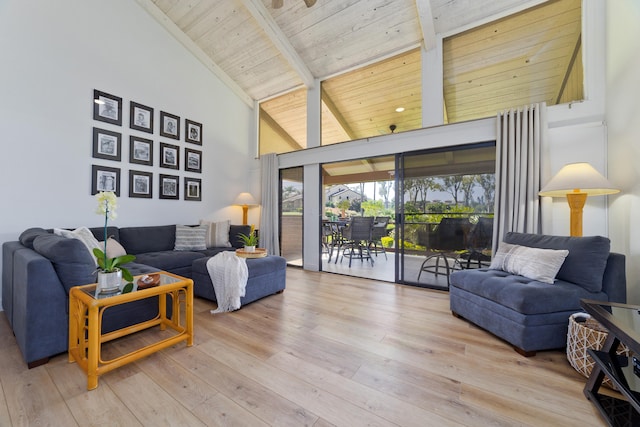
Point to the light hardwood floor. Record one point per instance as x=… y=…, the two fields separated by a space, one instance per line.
x=330 y=350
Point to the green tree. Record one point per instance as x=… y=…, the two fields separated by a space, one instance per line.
x=487 y=181
x=384 y=191
x=452 y=184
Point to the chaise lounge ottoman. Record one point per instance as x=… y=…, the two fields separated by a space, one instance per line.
x=267 y=276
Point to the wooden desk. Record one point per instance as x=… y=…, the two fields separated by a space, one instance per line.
x=85 y=323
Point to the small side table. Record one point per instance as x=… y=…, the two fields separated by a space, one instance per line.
x=623 y=323
x=85 y=323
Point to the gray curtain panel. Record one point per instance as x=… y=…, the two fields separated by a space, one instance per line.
x=269 y=213
x=521 y=135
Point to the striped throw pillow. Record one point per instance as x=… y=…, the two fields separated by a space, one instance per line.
x=191 y=238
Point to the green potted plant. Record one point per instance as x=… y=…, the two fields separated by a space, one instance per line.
x=249 y=241
x=110 y=270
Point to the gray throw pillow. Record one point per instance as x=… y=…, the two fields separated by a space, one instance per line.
x=191 y=238
x=585 y=263
x=534 y=263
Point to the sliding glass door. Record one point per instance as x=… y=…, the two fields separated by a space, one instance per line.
x=444 y=219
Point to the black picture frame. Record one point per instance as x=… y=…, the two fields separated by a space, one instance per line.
x=193 y=189
x=193 y=132
x=192 y=160
x=107 y=108
x=140 y=184
x=169 y=187
x=107 y=144
x=140 y=150
x=169 y=156
x=169 y=125
x=104 y=178
x=140 y=117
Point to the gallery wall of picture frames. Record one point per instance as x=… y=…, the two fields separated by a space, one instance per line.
x=107 y=145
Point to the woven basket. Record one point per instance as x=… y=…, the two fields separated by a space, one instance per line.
x=584 y=333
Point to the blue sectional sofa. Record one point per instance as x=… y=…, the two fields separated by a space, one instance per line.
x=532 y=315
x=41 y=267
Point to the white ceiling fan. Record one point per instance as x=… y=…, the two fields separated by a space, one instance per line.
x=277 y=4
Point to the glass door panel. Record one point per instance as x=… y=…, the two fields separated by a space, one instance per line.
x=445 y=212
x=291 y=210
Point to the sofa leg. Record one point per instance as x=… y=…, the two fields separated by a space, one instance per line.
x=280 y=291
x=524 y=353
x=38 y=362
x=456 y=315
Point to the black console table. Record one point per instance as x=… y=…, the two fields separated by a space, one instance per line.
x=623 y=323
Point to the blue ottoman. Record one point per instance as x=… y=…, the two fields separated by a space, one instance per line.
x=267 y=276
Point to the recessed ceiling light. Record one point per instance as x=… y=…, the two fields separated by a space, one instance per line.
x=399 y=109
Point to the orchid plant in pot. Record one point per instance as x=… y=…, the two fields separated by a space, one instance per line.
x=110 y=270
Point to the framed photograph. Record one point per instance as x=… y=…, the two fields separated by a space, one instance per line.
x=104 y=178
x=140 y=117
x=192 y=160
x=193 y=132
x=169 y=156
x=169 y=125
x=192 y=190
x=169 y=188
x=140 y=151
x=106 y=144
x=107 y=108
x=140 y=184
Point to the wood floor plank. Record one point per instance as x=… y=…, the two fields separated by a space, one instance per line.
x=330 y=351
x=323 y=400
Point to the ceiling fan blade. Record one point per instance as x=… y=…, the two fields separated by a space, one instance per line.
x=309 y=3
x=276 y=4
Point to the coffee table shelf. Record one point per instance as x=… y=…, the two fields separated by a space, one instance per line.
x=621 y=320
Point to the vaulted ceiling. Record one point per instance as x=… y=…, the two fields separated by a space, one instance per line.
x=262 y=52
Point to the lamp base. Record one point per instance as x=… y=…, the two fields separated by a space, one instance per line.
x=245 y=211
x=576 y=203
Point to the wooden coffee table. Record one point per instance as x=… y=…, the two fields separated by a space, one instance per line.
x=85 y=323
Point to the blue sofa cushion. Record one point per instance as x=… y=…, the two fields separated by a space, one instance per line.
x=523 y=295
x=72 y=261
x=28 y=236
x=585 y=263
x=139 y=240
x=234 y=230
x=98 y=233
x=169 y=260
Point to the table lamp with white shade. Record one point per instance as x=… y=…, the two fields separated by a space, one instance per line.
x=245 y=200
x=576 y=181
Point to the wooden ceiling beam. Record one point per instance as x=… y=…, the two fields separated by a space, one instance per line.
x=279 y=39
x=269 y=121
x=427 y=26
x=326 y=98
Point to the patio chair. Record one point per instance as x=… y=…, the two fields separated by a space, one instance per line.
x=378 y=231
x=442 y=243
x=479 y=243
x=356 y=236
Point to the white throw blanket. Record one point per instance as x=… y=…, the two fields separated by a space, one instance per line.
x=229 y=276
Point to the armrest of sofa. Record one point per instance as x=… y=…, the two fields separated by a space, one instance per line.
x=614 y=282
x=40 y=307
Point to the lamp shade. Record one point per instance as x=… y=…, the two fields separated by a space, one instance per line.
x=245 y=199
x=578 y=178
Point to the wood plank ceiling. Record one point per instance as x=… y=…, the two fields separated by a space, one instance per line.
x=367 y=53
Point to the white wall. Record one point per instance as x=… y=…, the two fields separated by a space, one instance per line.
x=623 y=119
x=54 y=54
